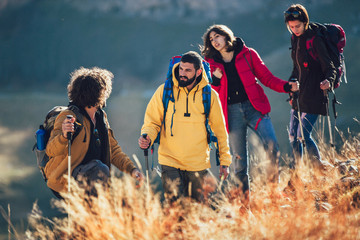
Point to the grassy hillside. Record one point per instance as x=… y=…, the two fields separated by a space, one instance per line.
x=317 y=205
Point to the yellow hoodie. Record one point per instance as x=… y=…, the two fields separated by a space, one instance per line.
x=183 y=144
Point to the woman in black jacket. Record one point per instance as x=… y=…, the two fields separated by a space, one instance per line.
x=316 y=73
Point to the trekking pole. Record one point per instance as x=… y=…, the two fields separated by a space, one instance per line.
x=68 y=136
x=326 y=95
x=302 y=139
x=334 y=102
x=146 y=155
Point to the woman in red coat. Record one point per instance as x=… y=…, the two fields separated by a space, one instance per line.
x=235 y=68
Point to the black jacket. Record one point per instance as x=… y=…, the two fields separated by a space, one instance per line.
x=311 y=72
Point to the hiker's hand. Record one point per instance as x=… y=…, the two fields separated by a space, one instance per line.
x=218 y=73
x=144 y=143
x=291 y=98
x=224 y=172
x=294 y=86
x=324 y=85
x=67 y=126
x=139 y=177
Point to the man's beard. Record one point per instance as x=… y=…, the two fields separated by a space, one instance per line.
x=186 y=83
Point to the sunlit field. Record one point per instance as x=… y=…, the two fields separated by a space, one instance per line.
x=315 y=205
x=42 y=42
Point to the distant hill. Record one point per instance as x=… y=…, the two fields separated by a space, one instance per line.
x=42 y=41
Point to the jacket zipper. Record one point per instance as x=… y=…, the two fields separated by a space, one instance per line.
x=299 y=67
x=297 y=59
x=84 y=140
x=187 y=114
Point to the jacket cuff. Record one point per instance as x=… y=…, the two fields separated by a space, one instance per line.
x=287 y=87
x=215 y=81
x=62 y=139
x=131 y=169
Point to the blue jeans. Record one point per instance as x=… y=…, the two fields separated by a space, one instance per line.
x=308 y=120
x=241 y=117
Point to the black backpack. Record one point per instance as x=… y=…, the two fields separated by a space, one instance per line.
x=335 y=41
x=48 y=126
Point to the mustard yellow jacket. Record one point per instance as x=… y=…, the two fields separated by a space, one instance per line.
x=57 y=150
x=183 y=142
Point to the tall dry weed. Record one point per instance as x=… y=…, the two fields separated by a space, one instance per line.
x=315 y=205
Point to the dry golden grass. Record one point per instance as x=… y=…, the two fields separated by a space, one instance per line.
x=318 y=205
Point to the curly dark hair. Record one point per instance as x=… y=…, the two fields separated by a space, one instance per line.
x=208 y=50
x=90 y=87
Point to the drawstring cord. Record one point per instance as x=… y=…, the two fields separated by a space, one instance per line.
x=172 y=120
x=172 y=116
x=195 y=93
x=178 y=95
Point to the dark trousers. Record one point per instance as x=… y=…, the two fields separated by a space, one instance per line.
x=178 y=183
x=89 y=173
x=92 y=171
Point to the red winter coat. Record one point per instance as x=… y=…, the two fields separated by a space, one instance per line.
x=248 y=56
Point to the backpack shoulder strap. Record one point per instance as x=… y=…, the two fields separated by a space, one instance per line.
x=79 y=120
x=316 y=30
x=173 y=61
x=207 y=70
x=206 y=94
x=211 y=138
x=168 y=94
x=76 y=110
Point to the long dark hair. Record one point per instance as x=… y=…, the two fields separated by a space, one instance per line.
x=90 y=87
x=207 y=50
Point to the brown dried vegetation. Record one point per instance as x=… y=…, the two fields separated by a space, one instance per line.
x=316 y=205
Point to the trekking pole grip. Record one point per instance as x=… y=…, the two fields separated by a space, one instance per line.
x=296 y=93
x=69 y=134
x=146 y=161
x=145 y=150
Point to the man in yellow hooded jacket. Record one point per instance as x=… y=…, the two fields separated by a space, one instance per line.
x=184 y=153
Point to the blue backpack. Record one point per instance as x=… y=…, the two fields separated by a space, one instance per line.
x=168 y=95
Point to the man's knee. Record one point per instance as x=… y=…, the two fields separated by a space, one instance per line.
x=171 y=181
x=92 y=171
x=196 y=180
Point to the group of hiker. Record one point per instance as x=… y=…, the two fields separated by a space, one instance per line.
x=237 y=103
